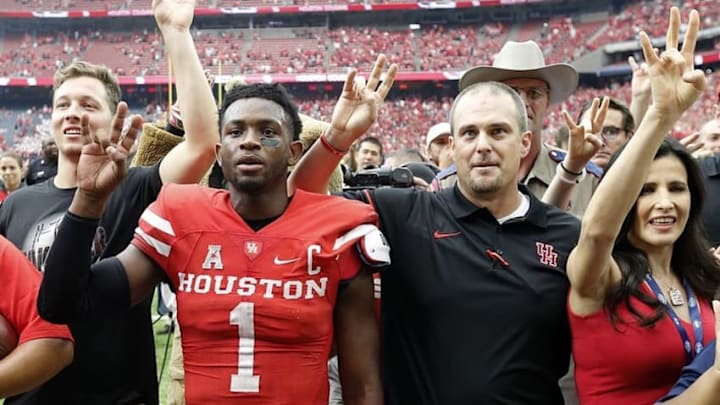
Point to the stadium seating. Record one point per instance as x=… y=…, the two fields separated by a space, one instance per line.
x=403 y=123
x=319 y=49
x=135 y=4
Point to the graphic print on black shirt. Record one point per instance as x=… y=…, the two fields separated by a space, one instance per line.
x=115 y=356
x=41 y=236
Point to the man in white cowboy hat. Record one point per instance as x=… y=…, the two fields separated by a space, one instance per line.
x=521 y=65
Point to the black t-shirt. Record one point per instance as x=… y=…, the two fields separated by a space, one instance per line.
x=710 y=167
x=472 y=311
x=115 y=355
x=40 y=170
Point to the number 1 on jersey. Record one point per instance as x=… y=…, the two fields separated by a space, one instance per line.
x=244 y=381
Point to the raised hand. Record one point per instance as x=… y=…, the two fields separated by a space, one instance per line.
x=102 y=164
x=640 y=84
x=357 y=107
x=176 y=14
x=693 y=144
x=584 y=140
x=675 y=83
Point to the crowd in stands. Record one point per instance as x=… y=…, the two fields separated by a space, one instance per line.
x=491 y=152
x=134 y=4
x=298 y=51
x=452 y=49
x=403 y=124
x=137 y=53
x=407 y=119
x=22 y=130
x=319 y=49
x=397 y=45
x=650 y=16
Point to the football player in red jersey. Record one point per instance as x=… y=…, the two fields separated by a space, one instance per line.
x=42 y=349
x=265 y=282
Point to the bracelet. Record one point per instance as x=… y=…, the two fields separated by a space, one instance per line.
x=562 y=173
x=569 y=172
x=326 y=144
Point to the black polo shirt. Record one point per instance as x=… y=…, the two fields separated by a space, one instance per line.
x=473 y=312
x=710 y=167
x=40 y=170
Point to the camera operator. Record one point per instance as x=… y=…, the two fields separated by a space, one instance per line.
x=369 y=153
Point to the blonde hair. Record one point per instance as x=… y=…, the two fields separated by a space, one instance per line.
x=86 y=69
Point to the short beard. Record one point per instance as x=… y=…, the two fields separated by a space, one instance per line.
x=485 y=187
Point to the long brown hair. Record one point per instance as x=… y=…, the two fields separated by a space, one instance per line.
x=691 y=256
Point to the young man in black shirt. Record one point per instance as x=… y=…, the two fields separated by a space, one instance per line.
x=115 y=357
x=473 y=307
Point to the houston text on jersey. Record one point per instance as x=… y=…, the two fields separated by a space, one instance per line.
x=247 y=286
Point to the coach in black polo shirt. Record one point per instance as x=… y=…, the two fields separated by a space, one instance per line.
x=474 y=305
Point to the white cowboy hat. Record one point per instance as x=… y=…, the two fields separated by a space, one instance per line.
x=525 y=60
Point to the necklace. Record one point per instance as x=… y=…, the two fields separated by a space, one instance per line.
x=693 y=310
x=676 y=297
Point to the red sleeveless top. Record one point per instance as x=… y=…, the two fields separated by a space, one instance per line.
x=630 y=364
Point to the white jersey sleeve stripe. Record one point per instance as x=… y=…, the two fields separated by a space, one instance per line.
x=373 y=248
x=352 y=236
x=157 y=222
x=163 y=249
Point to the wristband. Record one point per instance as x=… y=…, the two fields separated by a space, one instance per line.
x=573 y=178
x=335 y=151
x=572 y=173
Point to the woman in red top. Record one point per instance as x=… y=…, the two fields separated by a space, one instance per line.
x=642 y=274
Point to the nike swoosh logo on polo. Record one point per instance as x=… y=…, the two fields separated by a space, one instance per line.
x=280 y=261
x=442 y=235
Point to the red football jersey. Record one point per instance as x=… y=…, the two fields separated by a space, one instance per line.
x=20 y=282
x=255 y=308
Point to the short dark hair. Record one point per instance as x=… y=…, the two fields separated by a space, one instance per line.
x=628 y=120
x=273 y=92
x=373 y=141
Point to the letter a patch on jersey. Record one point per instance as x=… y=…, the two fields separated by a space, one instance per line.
x=213 y=260
x=253 y=249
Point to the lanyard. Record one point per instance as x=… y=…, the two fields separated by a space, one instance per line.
x=695 y=319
